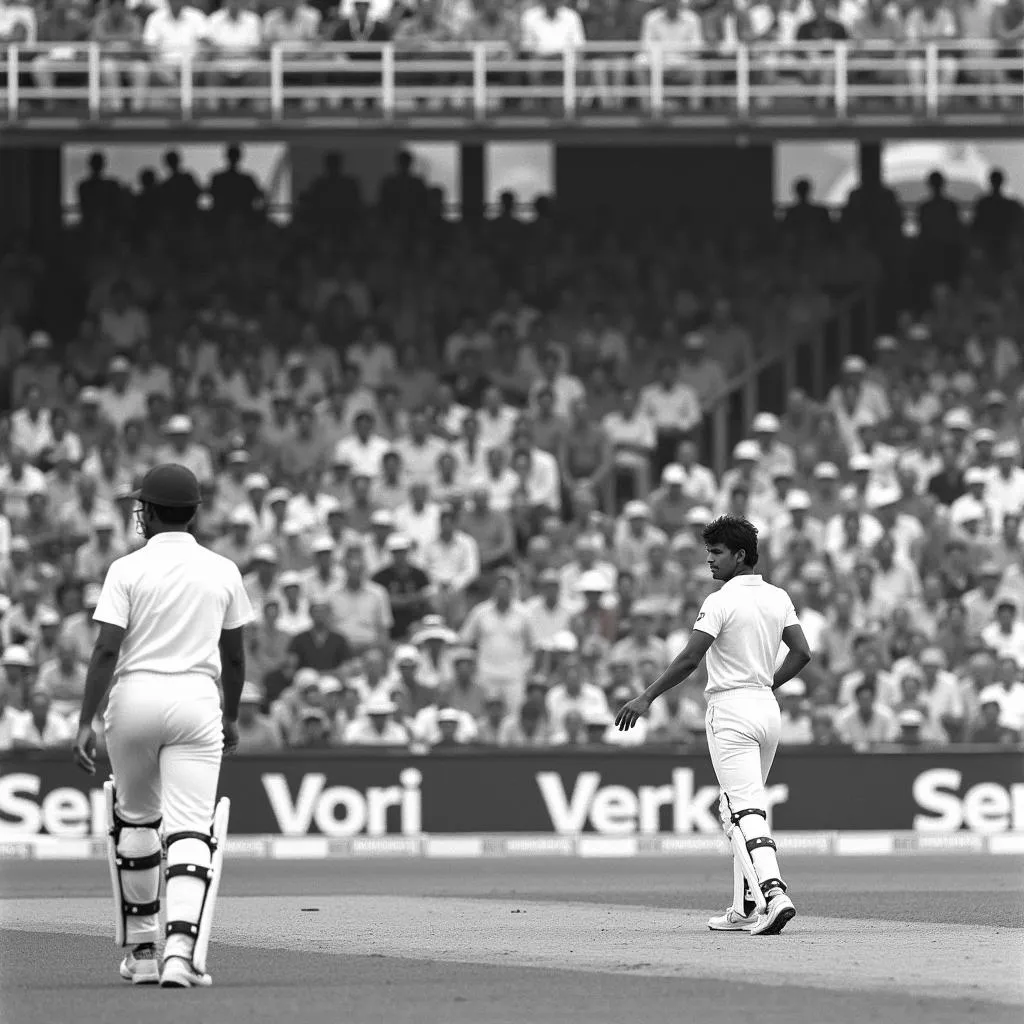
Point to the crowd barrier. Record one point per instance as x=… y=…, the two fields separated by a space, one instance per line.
x=378 y=81
x=619 y=795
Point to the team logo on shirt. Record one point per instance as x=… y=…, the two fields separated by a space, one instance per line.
x=699 y=617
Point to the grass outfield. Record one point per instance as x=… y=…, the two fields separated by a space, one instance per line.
x=922 y=939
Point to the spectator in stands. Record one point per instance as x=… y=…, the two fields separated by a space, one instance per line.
x=40 y=727
x=62 y=28
x=547 y=31
x=677 y=30
x=256 y=732
x=119 y=32
x=173 y=34
x=931 y=21
x=235 y=35
x=821 y=27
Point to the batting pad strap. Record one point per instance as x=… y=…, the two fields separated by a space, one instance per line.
x=138 y=863
x=753 y=844
x=141 y=909
x=182 y=928
x=119 y=824
x=188 y=871
x=203 y=837
x=772 y=883
x=748 y=810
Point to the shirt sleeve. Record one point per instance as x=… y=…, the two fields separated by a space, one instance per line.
x=791 y=619
x=114 y=605
x=239 y=611
x=711 y=618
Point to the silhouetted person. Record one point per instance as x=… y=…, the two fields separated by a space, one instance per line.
x=100 y=199
x=940 y=233
x=234 y=192
x=179 y=191
x=806 y=220
x=146 y=212
x=997 y=217
x=872 y=212
x=403 y=194
x=333 y=195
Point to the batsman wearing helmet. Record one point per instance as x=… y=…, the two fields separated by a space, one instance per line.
x=740 y=628
x=171 y=616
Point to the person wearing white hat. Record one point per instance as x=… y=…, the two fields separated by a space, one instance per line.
x=294 y=615
x=634 y=534
x=377 y=726
x=119 y=401
x=776 y=455
x=974 y=506
x=261 y=581
x=633 y=437
x=746 y=471
x=797 y=519
x=257 y=732
x=308 y=507
x=104 y=546
x=1005 y=490
x=856 y=401
x=740 y=629
x=180 y=448
x=238 y=543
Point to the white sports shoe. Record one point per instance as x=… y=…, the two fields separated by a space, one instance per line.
x=732 y=921
x=179 y=973
x=140 y=967
x=780 y=912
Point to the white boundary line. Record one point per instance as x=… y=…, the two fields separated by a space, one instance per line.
x=488 y=846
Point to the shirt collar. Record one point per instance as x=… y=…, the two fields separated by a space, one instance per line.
x=746 y=580
x=176 y=537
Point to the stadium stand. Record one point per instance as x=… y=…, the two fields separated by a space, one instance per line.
x=464 y=466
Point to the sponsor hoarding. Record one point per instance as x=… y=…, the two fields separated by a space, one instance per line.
x=342 y=796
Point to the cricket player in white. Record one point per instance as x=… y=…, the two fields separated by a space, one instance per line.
x=740 y=628
x=171 y=617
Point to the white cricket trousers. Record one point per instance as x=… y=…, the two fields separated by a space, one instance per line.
x=743 y=727
x=165 y=740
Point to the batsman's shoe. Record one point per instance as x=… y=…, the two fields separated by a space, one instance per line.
x=140 y=967
x=732 y=921
x=179 y=973
x=780 y=912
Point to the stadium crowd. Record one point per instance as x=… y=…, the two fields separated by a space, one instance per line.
x=460 y=464
x=147 y=41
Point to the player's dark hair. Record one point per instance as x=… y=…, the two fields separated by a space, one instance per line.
x=171 y=516
x=734 y=533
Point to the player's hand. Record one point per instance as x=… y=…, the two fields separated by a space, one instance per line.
x=230 y=736
x=631 y=712
x=84 y=750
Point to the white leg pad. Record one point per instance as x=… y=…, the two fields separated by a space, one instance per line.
x=757 y=843
x=133 y=855
x=746 y=866
x=194 y=861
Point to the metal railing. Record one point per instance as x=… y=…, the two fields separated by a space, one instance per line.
x=483 y=80
x=809 y=361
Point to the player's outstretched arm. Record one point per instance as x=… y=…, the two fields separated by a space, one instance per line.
x=684 y=663
x=97 y=681
x=798 y=655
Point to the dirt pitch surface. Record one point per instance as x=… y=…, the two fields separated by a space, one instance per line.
x=530 y=941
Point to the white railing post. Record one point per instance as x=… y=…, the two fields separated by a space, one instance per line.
x=842 y=83
x=743 y=80
x=187 y=92
x=480 y=79
x=13 y=72
x=95 y=95
x=657 y=66
x=569 y=81
x=387 y=76
x=277 y=79
x=931 y=79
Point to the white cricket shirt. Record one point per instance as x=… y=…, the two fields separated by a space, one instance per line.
x=172 y=598
x=746 y=618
